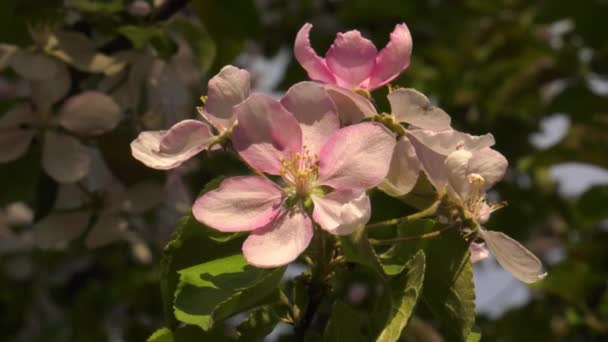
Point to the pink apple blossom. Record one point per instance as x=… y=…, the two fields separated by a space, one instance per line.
x=165 y=150
x=298 y=139
x=465 y=166
x=409 y=108
x=353 y=61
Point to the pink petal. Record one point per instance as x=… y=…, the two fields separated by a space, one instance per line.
x=352 y=107
x=448 y=141
x=393 y=59
x=64 y=158
x=165 y=150
x=403 y=171
x=239 y=204
x=478 y=252
x=356 y=157
x=342 y=212
x=281 y=241
x=409 y=105
x=266 y=133
x=351 y=58
x=227 y=89
x=90 y=113
x=307 y=57
x=314 y=110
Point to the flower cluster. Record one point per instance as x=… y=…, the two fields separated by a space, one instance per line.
x=319 y=149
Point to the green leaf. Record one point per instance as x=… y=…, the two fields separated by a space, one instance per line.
x=356 y=249
x=449 y=290
x=215 y=290
x=229 y=26
x=344 y=324
x=199 y=40
x=28 y=171
x=405 y=290
x=188 y=333
x=142 y=36
x=100 y=7
x=592 y=205
x=474 y=336
x=161 y=335
x=260 y=323
x=394 y=260
x=190 y=245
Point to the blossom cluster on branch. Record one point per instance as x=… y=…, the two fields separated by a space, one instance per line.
x=316 y=152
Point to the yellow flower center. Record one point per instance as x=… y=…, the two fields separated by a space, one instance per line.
x=300 y=172
x=477 y=198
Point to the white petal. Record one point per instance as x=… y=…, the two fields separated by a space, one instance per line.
x=64 y=158
x=342 y=212
x=448 y=141
x=404 y=169
x=108 y=228
x=411 y=106
x=90 y=113
x=514 y=257
x=58 y=229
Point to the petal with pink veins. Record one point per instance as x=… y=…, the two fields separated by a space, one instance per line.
x=393 y=58
x=315 y=111
x=351 y=58
x=409 y=105
x=356 y=157
x=514 y=257
x=239 y=204
x=352 y=107
x=342 y=212
x=64 y=158
x=165 y=150
x=448 y=141
x=281 y=241
x=266 y=133
x=314 y=65
x=227 y=89
x=403 y=171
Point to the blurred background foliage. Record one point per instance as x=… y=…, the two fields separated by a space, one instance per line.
x=533 y=73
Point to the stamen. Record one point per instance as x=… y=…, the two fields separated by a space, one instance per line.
x=300 y=171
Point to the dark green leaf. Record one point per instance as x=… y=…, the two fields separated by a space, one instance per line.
x=99 y=6
x=161 y=335
x=405 y=290
x=260 y=323
x=142 y=36
x=449 y=290
x=344 y=324
x=356 y=249
x=199 y=40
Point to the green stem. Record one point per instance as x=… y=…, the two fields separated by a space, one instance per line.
x=411 y=238
x=430 y=211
